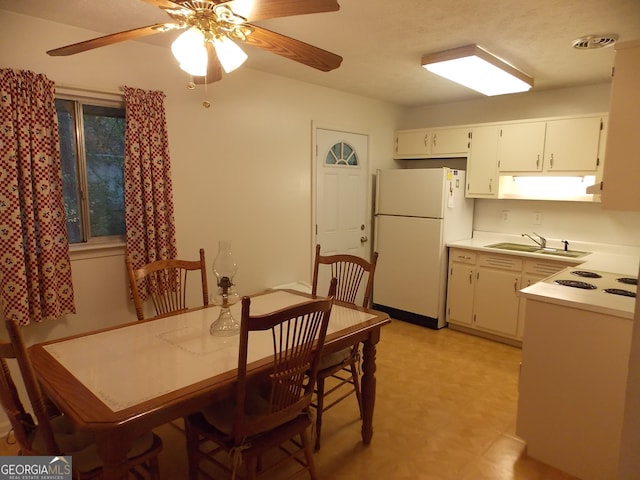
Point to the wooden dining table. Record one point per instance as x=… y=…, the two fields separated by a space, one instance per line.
x=120 y=382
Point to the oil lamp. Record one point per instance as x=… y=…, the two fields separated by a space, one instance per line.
x=224 y=268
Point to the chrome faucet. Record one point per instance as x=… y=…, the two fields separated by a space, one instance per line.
x=542 y=242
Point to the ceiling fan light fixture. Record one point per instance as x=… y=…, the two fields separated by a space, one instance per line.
x=231 y=56
x=475 y=68
x=190 y=51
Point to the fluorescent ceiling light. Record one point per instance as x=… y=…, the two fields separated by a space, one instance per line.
x=475 y=68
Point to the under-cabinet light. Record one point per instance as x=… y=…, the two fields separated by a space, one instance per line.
x=547 y=188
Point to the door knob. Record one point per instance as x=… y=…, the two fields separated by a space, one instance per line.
x=364 y=239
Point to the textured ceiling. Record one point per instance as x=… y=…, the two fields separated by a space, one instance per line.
x=382 y=41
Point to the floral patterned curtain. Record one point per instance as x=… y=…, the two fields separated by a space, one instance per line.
x=35 y=270
x=151 y=233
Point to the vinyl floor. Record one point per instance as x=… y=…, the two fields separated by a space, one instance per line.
x=445 y=410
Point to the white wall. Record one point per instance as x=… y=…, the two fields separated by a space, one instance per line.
x=534 y=104
x=241 y=169
x=572 y=221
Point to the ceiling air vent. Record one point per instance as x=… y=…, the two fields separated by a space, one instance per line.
x=590 y=42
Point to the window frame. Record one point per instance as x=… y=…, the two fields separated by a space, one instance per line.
x=98 y=99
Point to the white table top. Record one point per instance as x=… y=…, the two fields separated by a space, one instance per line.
x=172 y=352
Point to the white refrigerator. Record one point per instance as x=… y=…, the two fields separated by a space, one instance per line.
x=417 y=211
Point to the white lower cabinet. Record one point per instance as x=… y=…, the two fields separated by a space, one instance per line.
x=462 y=277
x=496 y=300
x=482 y=291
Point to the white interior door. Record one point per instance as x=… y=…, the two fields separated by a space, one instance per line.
x=342 y=222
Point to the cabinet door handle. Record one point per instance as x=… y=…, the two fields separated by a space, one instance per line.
x=538 y=161
x=515 y=285
x=551 y=161
x=490 y=185
x=470 y=277
x=426 y=139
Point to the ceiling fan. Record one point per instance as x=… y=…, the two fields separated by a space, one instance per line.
x=207 y=45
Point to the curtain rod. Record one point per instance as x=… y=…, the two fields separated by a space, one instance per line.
x=87 y=90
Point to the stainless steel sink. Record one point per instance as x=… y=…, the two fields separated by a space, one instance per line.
x=523 y=247
x=520 y=247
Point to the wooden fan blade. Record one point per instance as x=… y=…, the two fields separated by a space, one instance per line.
x=110 y=39
x=214 y=69
x=293 y=49
x=164 y=4
x=264 y=9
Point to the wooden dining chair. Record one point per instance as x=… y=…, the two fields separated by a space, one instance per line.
x=51 y=434
x=342 y=366
x=270 y=412
x=166 y=283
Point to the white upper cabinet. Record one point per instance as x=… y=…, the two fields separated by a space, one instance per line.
x=563 y=146
x=451 y=141
x=621 y=176
x=412 y=143
x=572 y=145
x=482 y=163
x=521 y=147
x=430 y=143
x=500 y=154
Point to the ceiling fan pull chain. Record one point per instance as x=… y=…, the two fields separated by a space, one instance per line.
x=206 y=103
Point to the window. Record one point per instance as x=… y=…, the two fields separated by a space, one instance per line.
x=92 y=155
x=342 y=154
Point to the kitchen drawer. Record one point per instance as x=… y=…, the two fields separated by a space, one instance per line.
x=544 y=268
x=462 y=256
x=504 y=262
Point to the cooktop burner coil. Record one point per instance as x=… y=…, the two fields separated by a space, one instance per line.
x=619 y=291
x=576 y=284
x=628 y=280
x=585 y=274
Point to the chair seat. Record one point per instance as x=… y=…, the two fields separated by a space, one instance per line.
x=254 y=445
x=334 y=359
x=80 y=446
x=221 y=415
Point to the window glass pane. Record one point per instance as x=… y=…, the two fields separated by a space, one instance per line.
x=69 y=160
x=104 y=149
x=346 y=150
x=341 y=154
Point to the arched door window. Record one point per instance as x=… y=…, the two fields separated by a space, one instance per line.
x=341 y=154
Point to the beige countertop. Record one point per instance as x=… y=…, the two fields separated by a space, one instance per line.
x=608 y=258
